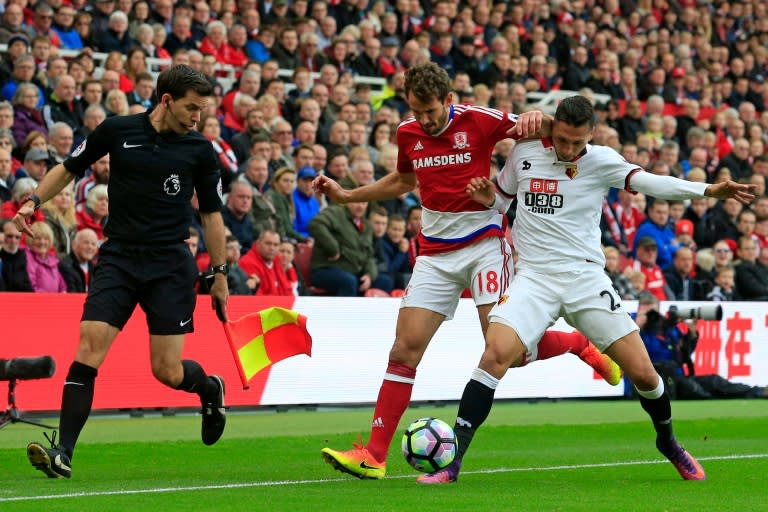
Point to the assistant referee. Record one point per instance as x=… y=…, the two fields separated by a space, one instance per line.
x=157 y=160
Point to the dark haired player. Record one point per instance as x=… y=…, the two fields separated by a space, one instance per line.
x=559 y=182
x=461 y=244
x=156 y=161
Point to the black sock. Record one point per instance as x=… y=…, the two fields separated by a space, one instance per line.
x=76 y=401
x=474 y=408
x=196 y=381
x=660 y=411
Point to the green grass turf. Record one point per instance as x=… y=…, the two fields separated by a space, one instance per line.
x=568 y=455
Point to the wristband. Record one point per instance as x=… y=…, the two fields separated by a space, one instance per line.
x=35 y=200
x=221 y=269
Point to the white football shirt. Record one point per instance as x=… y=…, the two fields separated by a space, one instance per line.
x=559 y=204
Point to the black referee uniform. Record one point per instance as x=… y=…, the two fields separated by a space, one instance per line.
x=144 y=260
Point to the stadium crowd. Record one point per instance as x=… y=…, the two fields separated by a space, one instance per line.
x=686 y=81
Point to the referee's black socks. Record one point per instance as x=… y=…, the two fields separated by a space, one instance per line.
x=195 y=380
x=76 y=401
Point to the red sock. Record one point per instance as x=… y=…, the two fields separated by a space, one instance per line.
x=555 y=343
x=394 y=396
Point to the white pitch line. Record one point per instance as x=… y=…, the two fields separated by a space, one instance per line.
x=278 y=483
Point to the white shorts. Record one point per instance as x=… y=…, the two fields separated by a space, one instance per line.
x=585 y=299
x=486 y=268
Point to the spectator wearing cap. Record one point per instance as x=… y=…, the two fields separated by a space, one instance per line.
x=12 y=23
x=389 y=60
x=464 y=56
x=306 y=205
x=645 y=263
x=277 y=15
x=35 y=164
x=656 y=226
x=368 y=62
x=684 y=233
x=756 y=90
x=18 y=45
x=675 y=92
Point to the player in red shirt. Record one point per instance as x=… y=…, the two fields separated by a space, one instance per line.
x=461 y=243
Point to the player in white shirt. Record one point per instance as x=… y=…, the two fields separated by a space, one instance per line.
x=559 y=183
x=461 y=244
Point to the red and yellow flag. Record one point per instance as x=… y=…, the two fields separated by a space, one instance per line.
x=264 y=338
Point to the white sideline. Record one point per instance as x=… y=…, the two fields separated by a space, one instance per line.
x=277 y=483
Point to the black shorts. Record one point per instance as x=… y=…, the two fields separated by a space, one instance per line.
x=159 y=278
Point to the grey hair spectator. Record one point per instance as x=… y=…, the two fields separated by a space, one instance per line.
x=22 y=188
x=96 y=193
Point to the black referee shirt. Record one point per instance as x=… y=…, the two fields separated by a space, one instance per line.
x=151 y=178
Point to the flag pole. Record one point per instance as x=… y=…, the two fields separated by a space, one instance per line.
x=230 y=340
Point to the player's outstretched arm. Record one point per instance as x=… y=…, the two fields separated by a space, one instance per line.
x=743 y=193
x=669 y=187
x=531 y=125
x=390 y=186
x=482 y=190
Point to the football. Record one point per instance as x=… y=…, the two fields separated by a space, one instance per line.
x=429 y=444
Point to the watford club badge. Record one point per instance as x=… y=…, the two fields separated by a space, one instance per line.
x=571 y=170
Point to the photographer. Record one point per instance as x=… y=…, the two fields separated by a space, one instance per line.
x=670 y=342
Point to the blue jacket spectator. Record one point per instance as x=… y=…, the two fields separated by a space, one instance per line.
x=305 y=204
x=656 y=227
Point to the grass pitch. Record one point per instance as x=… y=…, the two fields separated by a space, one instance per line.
x=568 y=455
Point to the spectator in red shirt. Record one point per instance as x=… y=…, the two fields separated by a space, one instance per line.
x=646 y=263
x=94 y=215
x=264 y=262
x=215 y=43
